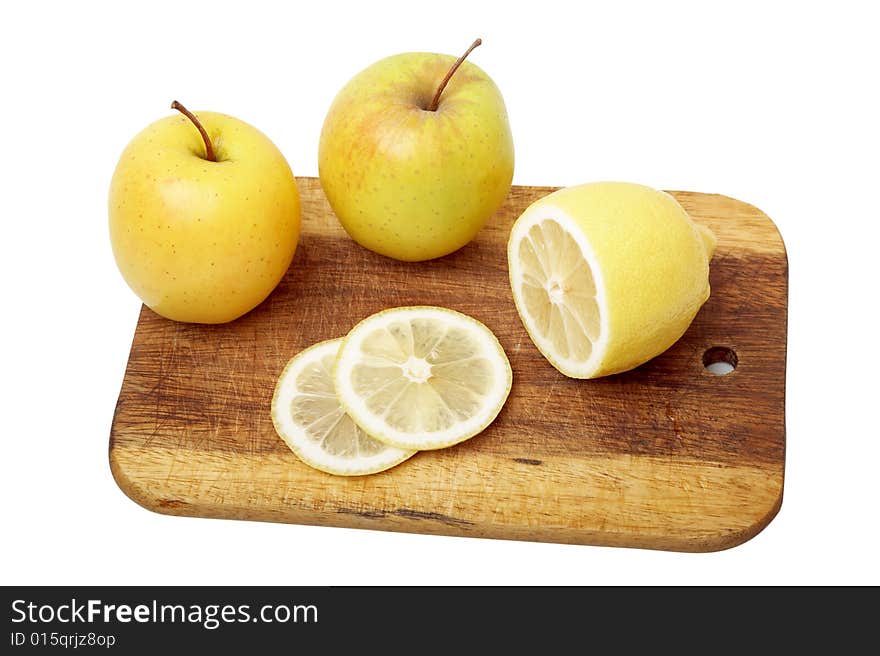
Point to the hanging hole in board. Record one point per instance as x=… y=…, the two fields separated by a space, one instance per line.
x=720 y=360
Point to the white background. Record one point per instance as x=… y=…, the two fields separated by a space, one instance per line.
x=772 y=103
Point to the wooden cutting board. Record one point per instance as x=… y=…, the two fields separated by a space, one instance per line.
x=668 y=456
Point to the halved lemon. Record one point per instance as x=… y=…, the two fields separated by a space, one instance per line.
x=606 y=276
x=422 y=377
x=310 y=420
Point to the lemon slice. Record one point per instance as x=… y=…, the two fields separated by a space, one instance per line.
x=310 y=420
x=606 y=276
x=422 y=377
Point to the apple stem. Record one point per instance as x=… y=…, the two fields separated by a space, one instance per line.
x=209 y=149
x=436 y=101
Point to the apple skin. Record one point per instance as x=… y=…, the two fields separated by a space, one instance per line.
x=196 y=240
x=409 y=183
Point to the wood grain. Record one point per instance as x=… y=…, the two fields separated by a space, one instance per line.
x=668 y=456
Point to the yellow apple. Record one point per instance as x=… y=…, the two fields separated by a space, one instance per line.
x=416 y=154
x=204 y=216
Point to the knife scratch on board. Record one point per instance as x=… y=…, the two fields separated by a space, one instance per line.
x=546 y=402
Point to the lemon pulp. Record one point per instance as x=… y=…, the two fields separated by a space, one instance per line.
x=422 y=377
x=309 y=418
x=558 y=290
